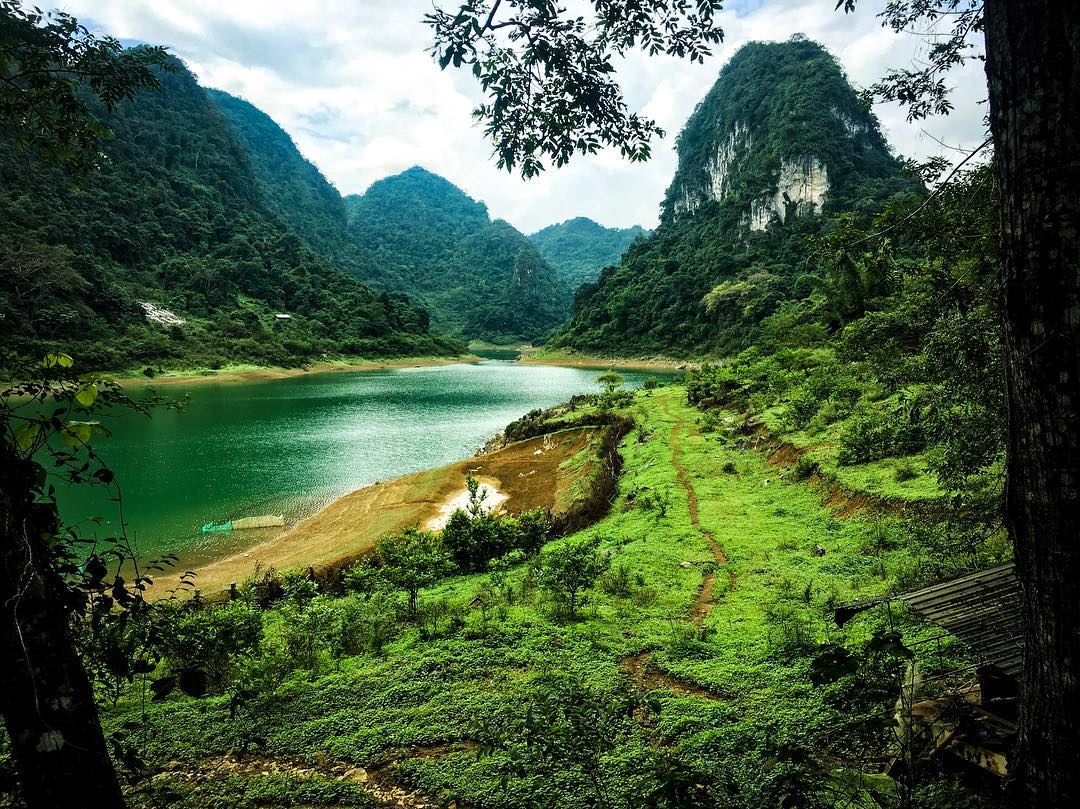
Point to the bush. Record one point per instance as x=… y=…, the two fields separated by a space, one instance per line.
x=905 y=471
x=803 y=407
x=215 y=640
x=475 y=541
x=873 y=433
x=805 y=467
x=571 y=568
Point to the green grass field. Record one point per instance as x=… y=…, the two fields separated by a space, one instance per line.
x=656 y=691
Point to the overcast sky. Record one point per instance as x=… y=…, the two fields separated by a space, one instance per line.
x=352 y=82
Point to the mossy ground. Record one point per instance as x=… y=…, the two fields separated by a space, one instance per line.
x=738 y=681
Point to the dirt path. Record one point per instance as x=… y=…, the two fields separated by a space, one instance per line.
x=703 y=602
x=375 y=780
x=646 y=676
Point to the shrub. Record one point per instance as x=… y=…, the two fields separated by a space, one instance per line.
x=874 y=433
x=571 y=568
x=803 y=407
x=805 y=467
x=616 y=582
x=214 y=640
x=905 y=471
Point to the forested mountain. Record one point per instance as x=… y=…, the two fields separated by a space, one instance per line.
x=292 y=187
x=480 y=279
x=415 y=233
x=579 y=248
x=778 y=148
x=171 y=254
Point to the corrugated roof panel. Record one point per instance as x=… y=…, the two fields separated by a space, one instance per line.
x=982 y=609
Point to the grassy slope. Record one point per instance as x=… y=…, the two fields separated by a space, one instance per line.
x=419 y=707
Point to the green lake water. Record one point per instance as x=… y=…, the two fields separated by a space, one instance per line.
x=290 y=446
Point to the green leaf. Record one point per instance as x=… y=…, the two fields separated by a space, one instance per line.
x=87 y=395
x=61 y=359
x=26 y=435
x=76 y=433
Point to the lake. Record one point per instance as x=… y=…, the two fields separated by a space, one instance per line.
x=289 y=446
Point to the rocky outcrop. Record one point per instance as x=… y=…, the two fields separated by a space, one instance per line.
x=800 y=191
x=719 y=170
x=801 y=187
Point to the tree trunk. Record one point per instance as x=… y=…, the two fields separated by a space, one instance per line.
x=47 y=702
x=1033 y=69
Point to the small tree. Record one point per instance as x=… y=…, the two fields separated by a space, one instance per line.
x=610 y=380
x=412 y=561
x=571 y=568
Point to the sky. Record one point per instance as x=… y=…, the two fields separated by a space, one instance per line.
x=353 y=84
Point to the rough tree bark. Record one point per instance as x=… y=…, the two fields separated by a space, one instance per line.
x=1033 y=69
x=45 y=696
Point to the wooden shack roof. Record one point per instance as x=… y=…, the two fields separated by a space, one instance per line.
x=982 y=609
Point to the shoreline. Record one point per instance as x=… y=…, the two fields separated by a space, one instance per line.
x=520 y=476
x=245 y=373
x=603 y=363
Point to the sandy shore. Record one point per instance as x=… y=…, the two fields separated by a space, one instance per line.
x=602 y=363
x=525 y=475
x=254 y=374
x=493 y=498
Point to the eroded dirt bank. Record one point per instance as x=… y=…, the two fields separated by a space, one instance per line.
x=527 y=473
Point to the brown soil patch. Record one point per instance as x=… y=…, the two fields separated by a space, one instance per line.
x=786 y=455
x=647 y=677
x=376 y=780
x=703 y=604
x=602 y=364
x=349 y=528
x=259 y=374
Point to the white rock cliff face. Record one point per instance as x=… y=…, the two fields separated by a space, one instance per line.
x=801 y=190
x=801 y=187
x=718 y=170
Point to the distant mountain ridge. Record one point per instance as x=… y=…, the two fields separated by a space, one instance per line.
x=579 y=248
x=415 y=234
x=777 y=149
x=480 y=279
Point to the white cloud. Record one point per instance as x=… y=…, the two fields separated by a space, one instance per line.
x=354 y=86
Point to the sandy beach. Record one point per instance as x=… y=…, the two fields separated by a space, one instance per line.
x=522 y=476
x=255 y=374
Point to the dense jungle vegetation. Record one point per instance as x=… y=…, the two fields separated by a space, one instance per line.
x=669 y=639
x=702 y=284
x=175 y=216
x=481 y=279
x=579 y=248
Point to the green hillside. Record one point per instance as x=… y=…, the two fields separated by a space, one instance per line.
x=480 y=279
x=778 y=147
x=414 y=234
x=579 y=248
x=176 y=220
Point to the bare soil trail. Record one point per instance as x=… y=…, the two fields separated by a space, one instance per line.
x=703 y=603
x=645 y=675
